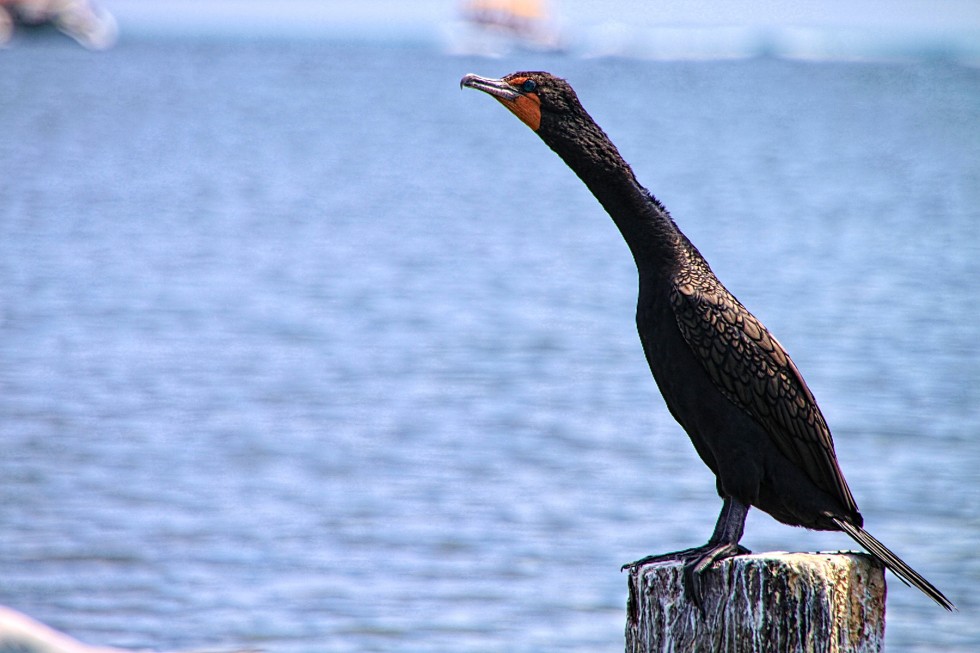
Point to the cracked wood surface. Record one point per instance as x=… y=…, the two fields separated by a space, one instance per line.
x=769 y=602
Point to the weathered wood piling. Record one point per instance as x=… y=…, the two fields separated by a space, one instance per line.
x=770 y=602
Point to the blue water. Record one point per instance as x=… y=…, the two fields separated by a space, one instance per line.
x=304 y=349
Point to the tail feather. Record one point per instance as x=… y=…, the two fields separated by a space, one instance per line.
x=908 y=575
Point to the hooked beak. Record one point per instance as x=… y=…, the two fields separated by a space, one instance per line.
x=526 y=106
x=495 y=87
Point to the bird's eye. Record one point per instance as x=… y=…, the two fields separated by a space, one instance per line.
x=529 y=85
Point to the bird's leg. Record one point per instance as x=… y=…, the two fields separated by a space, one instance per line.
x=723 y=544
x=727 y=533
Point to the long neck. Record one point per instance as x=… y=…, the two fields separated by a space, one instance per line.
x=646 y=226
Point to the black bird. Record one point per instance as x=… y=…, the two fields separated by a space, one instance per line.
x=724 y=377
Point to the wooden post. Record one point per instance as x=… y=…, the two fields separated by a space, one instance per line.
x=769 y=602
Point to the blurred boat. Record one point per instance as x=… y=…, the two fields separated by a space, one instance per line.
x=497 y=27
x=90 y=25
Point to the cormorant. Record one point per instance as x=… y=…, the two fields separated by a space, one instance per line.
x=724 y=377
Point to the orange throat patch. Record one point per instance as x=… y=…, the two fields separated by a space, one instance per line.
x=527 y=108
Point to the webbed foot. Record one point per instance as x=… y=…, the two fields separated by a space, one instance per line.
x=696 y=561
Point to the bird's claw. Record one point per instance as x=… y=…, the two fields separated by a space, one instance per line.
x=697 y=562
x=695 y=587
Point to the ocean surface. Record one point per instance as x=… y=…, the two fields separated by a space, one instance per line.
x=303 y=349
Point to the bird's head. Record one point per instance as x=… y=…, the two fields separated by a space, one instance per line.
x=548 y=105
x=539 y=99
